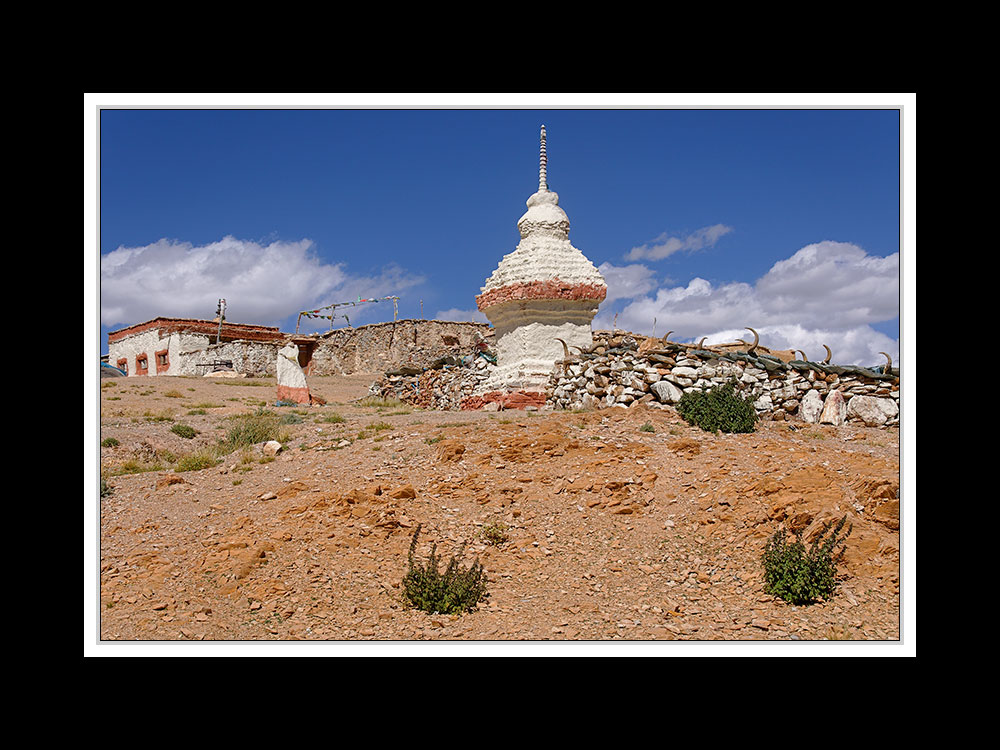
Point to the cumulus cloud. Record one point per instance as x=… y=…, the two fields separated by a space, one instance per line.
x=832 y=278
x=666 y=245
x=627 y=282
x=456 y=315
x=826 y=293
x=261 y=283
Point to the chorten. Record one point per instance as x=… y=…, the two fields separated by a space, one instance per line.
x=544 y=291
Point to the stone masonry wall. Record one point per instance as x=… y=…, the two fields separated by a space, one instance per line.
x=400 y=345
x=624 y=370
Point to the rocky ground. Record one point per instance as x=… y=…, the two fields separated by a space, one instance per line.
x=620 y=524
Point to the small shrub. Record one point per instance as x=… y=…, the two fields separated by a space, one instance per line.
x=455 y=590
x=380 y=426
x=648 y=427
x=174 y=394
x=431 y=441
x=195 y=412
x=163 y=416
x=380 y=402
x=105 y=488
x=799 y=576
x=252 y=429
x=185 y=431
x=109 y=442
x=495 y=533
x=720 y=409
x=333 y=418
x=204 y=459
x=136 y=467
x=292 y=418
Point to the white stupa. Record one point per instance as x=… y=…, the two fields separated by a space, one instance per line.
x=544 y=291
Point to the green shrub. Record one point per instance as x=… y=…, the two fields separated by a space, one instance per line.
x=799 y=576
x=105 y=488
x=333 y=418
x=456 y=590
x=292 y=418
x=185 y=431
x=495 y=533
x=109 y=442
x=648 y=427
x=381 y=402
x=204 y=459
x=252 y=429
x=136 y=467
x=720 y=409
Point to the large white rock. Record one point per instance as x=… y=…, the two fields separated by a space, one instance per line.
x=666 y=392
x=874 y=412
x=811 y=407
x=834 y=409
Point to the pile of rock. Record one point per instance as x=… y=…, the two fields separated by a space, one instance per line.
x=445 y=387
x=622 y=370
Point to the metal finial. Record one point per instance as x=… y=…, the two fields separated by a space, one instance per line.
x=542 y=162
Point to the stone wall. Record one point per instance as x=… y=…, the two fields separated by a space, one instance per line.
x=623 y=370
x=400 y=345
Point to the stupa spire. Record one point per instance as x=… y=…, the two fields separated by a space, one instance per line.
x=544 y=293
x=542 y=163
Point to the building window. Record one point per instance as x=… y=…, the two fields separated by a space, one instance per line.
x=123 y=365
x=162 y=361
x=141 y=365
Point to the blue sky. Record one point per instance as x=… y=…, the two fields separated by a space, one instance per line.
x=706 y=221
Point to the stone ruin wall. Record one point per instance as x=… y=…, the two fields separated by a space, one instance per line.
x=400 y=345
x=626 y=370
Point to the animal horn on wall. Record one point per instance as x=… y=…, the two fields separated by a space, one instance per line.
x=889 y=364
x=666 y=336
x=829 y=355
x=701 y=344
x=804 y=357
x=756 y=340
x=565 y=348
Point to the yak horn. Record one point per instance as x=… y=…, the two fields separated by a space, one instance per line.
x=565 y=348
x=756 y=340
x=829 y=355
x=701 y=344
x=665 y=336
x=889 y=364
x=804 y=357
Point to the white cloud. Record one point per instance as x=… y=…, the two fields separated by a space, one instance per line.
x=832 y=279
x=826 y=293
x=627 y=282
x=665 y=245
x=260 y=283
x=456 y=315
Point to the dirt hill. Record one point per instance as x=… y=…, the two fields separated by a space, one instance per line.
x=621 y=523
